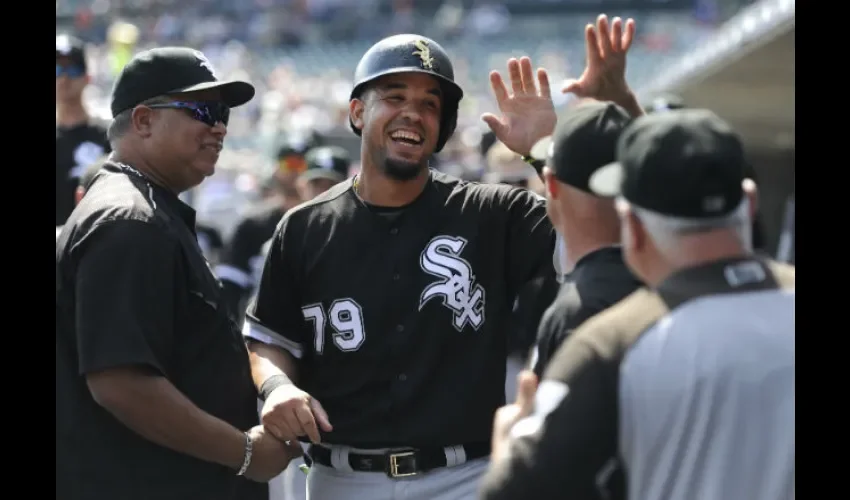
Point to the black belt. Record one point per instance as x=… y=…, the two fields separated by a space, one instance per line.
x=399 y=462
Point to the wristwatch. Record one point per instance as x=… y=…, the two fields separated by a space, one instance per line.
x=534 y=162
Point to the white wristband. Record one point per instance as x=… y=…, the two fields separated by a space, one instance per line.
x=249 y=450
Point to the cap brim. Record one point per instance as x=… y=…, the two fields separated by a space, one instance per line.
x=607 y=181
x=542 y=148
x=319 y=173
x=233 y=93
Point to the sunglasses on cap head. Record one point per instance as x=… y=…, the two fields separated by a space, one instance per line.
x=208 y=112
x=292 y=163
x=69 y=71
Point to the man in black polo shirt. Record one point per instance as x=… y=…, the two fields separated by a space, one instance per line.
x=584 y=141
x=684 y=389
x=154 y=398
x=80 y=140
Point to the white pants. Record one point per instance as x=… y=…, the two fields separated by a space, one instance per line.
x=457 y=482
x=292 y=483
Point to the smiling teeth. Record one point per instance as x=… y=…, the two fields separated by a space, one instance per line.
x=403 y=134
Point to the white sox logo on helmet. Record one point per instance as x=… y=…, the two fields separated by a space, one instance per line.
x=456 y=286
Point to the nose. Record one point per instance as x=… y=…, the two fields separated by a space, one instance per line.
x=219 y=130
x=412 y=114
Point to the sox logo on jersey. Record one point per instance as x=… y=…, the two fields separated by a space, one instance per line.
x=456 y=286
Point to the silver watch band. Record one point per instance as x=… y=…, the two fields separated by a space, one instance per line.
x=249 y=450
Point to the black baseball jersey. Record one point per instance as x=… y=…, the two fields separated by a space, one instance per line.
x=599 y=280
x=532 y=302
x=399 y=316
x=76 y=148
x=133 y=289
x=686 y=391
x=242 y=258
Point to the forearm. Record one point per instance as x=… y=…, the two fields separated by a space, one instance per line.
x=630 y=103
x=268 y=361
x=151 y=406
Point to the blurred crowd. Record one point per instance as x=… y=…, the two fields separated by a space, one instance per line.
x=300 y=55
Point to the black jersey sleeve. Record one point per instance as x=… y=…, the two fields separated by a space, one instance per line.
x=562 y=450
x=531 y=239
x=125 y=296
x=274 y=316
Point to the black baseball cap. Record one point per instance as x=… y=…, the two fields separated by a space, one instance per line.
x=683 y=163
x=71 y=48
x=584 y=141
x=297 y=144
x=171 y=70
x=327 y=162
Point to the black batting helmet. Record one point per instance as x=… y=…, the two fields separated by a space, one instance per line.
x=411 y=54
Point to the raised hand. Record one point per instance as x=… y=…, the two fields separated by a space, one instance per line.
x=604 y=77
x=528 y=114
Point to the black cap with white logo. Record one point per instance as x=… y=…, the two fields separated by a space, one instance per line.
x=71 y=48
x=171 y=70
x=682 y=163
x=327 y=162
x=584 y=141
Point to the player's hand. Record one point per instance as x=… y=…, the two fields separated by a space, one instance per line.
x=270 y=455
x=528 y=114
x=508 y=415
x=290 y=412
x=604 y=77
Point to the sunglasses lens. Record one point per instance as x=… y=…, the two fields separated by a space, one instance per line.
x=295 y=164
x=69 y=71
x=212 y=113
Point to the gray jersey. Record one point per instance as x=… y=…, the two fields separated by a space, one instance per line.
x=686 y=391
x=707 y=400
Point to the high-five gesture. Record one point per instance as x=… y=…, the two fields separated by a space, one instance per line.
x=528 y=114
x=604 y=77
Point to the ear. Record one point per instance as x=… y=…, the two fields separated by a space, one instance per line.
x=78 y=194
x=637 y=237
x=752 y=193
x=551 y=183
x=143 y=120
x=87 y=78
x=356 y=107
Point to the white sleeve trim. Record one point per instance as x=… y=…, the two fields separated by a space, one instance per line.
x=234 y=275
x=258 y=332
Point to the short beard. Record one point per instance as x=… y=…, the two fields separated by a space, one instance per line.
x=400 y=170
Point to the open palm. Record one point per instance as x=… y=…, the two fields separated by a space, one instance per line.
x=527 y=112
x=604 y=77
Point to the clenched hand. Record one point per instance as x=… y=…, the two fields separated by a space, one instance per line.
x=290 y=412
x=270 y=455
